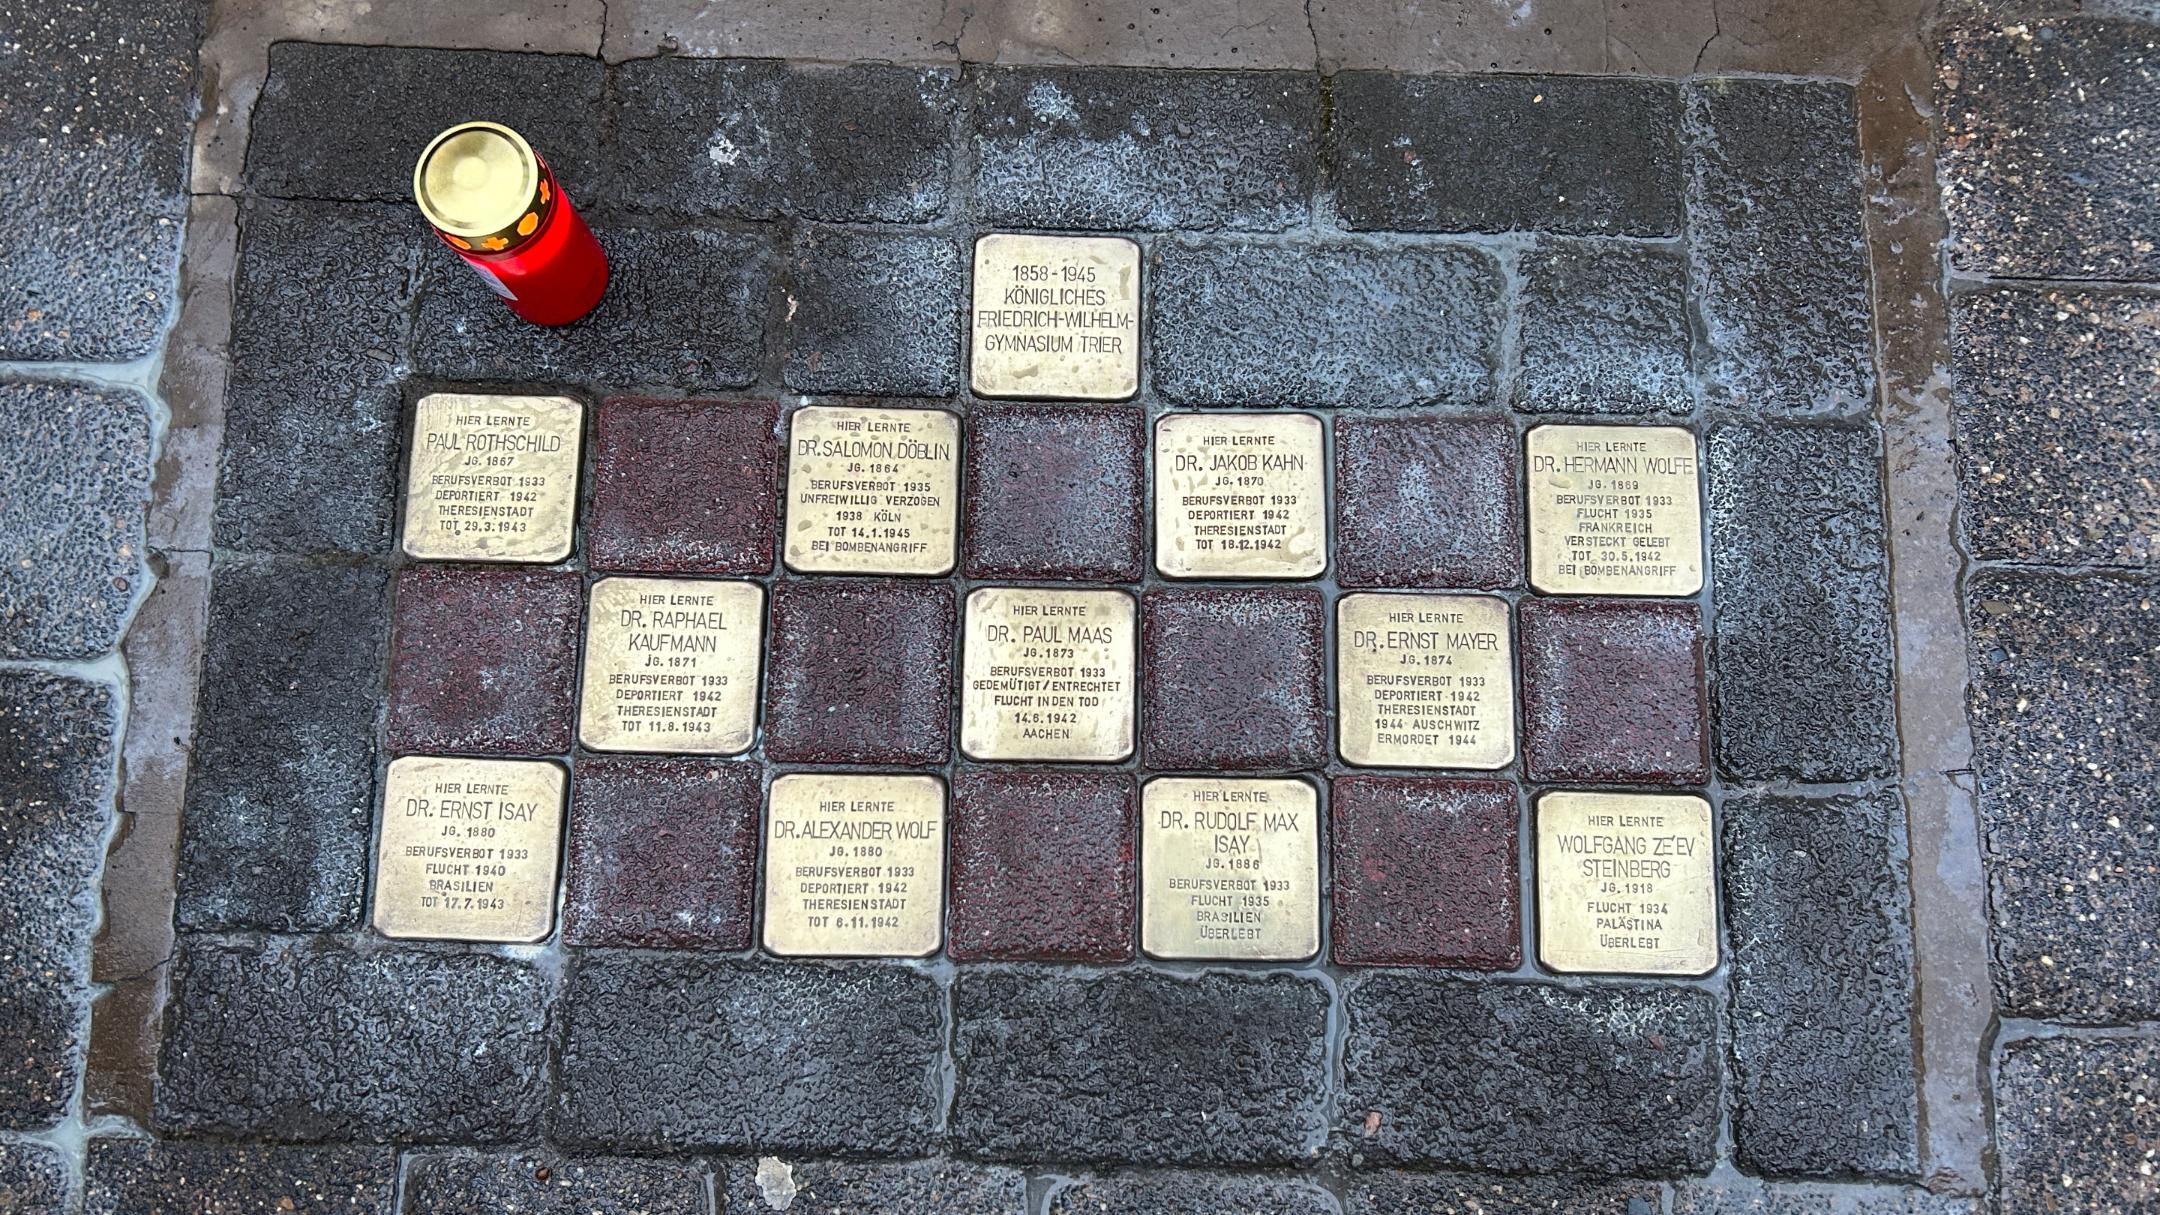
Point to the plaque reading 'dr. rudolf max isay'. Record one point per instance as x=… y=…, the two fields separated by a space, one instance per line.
x=493 y=478
x=1626 y=883
x=1240 y=495
x=469 y=849
x=1614 y=511
x=854 y=865
x=872 y=491
x=1056 y=317
x=671 y=664
x=1048 y=675
x=1425 y=681
x=1230 y=869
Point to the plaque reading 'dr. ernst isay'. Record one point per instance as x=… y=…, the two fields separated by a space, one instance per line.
x=1614 y=511
x=671 y=664
x=1230 y=869
x=1240 y=495
x=469 y=849
x=872 y=491
x=493 y=478
x=1425 y=681
x=1048 y=675
x=1626 y=883
x=855 y=865
x=1056 y=317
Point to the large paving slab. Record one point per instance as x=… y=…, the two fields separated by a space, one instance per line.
x=539 y=1183
x=1747 y=1197
x=1396 y=1191
x=2075 y=1124
x=146 y=1177
x=74 y=480
x=848 y=1187
x=1180 y=1192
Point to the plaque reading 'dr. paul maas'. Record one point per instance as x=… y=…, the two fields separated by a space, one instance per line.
x=1056 y=317
x=872 y=491
x=1230 y=869
x=855 y=865
x=1048 y=675
x=671 y=664
x=493 y=478
x=1626 y=883
x=1240 y=495
x=469 y=849
x=1425 y=681
x=1614 y=511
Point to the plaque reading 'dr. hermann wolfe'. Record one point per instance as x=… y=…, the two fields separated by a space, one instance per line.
x=469 y=849
x=1614 y=511
x=1048 y=674
x=671 y=664
x=493 y=478
x=1425 y=681
x=1056 y=317
x=855 y=865
x=872 y=491
x=1240 y=495
x=1230 y=869
x=1626 y=883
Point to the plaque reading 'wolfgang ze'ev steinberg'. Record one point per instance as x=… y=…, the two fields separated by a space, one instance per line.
x=1614 y=510
x=1056 y=317
x=671 y=664
x=1048 y=675
x=1626 y=883
x=854 y=865
x=469 y=849
x=872 y=491
x=1425 y=681
x=492 y=478
x=1240 y=495
x=1230 y=869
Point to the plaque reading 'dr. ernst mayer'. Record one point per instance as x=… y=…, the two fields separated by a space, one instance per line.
x=1056 y=317
x=671 y=664
x=872 y=491
x=1614 y=511
x=854 y=865
x=1230 y=869
x=1626 y=883
x=1048 y=675
x=1240 y=495
x=469 y=849
x=493 y=478
x=1425 y=681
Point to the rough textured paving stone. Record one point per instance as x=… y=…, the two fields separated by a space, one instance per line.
x=758 y=139
x=483 y=660
x=1548 y=154
x=663 y=853
x=1822 y=987
x=2047 y=131
x=314 y=1042
x=1042 y=865
x=1427 y=502
x=2053 y=416
x=1613 y=691
x=1424 y=872
x=1746 y=1197
x=309 y=140
x=540 y=1184
x=74 y=479
x=142 y=1177
x=1779 y=263
x=875 y=313
x=834 y=1187
x=1055 y=492
x=1108 y=150
x=1241 y=323
x=1169 y=1192
x=1233 y=679
x=2075 y=1124
x=683 y=487
x=1605 y=329
x=57 y=741
x=94 y=118
x=281 y=780
x=1139 y=1067
x=2064 y=680
x=684 y=309
x=1509 y=1077
x=313 y=417
x=1802 y=628
x=1393 y=1192
x=859 y=672
x=669 y=1053
x=33 y=1180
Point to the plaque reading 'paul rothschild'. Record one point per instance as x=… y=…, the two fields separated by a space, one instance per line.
x=492 y=478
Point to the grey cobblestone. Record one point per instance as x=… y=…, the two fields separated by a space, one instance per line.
x=1755 y=1198
x=875 y=313
x=141 y=1177
x=1605 y=329
x=74 y=480
x=846 y=1187
x=1174 y=1192
x=532 y=1183
x=1395 y=1192
x=2075 y=1124
x=33 y=1180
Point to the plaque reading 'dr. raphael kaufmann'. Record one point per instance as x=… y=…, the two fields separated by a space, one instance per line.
x=671 y=664
x=468 y=849
x=1626 y=883
x=1048 y=675
x=1425 y=681
x=493 y=478
x=1614 y=510
x=854 y=865
x=1056 y=317
x=1230 y=869
x=1240 y=495
x=872 y=491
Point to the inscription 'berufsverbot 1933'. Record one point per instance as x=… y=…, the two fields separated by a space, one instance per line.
x=671 y=664
x=1614 y=511
x=1626 y=883
x=1240 y=495
x=493 y=478
x=1056 y=317
x=1048 y=675
x=855 y=865
x=1230 y=869
x=1425 y=681
x=469 y=848
x=872 y=491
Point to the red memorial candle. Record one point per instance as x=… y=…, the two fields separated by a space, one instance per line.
x=491 y=198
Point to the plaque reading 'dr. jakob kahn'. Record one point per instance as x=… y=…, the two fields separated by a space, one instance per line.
x=1230 y=869
x=1614 y=511
x=872 y=491
x=493 y=478
x=1240 y=495
x=468 y=849
x=1425 y=681
x=854 y=865
x=1048 y=675
x=1626 y=883
x=1056 y=317
x=671 y=664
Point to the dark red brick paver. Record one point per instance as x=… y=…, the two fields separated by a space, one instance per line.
x=1055 y=492
x=1427 y=502
x=1425 y=872
x=1613 y=691
x=1233 y=679
x=1042 y=866
x=859 y=672
x=684 y=487
x=663 y=853
x=484 y=660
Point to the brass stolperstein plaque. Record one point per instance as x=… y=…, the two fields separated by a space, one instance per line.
x=872 y=491
x=1614 y=510
x=1626 y=883
x=855 y=865
x=1230 y=869
x=1048 y=675
x=1424 y=681
x=469 y=849
x=1056 y=317
x=493 y=478
x=1240 y=495
x=671 y=664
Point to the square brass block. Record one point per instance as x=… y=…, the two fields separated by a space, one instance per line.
x=470 y=849
x=1230 y=869
x=1424 y=681
x=1240 y=495
x=873 y=491
x=492 y=478
x=1056 y=317
x=1048 y=674
x=855 y=865
x=1626 y=883
x=671 y=664
x=1615 y=510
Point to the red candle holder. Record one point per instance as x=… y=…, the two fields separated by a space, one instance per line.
x=496 y=204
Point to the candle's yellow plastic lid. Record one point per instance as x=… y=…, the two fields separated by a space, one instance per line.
x=476 y=180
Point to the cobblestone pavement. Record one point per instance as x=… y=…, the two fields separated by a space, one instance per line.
x=1893 y=269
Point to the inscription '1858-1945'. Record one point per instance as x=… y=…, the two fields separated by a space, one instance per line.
x=671 y=664
x=1614 y=510
x=872 y=491
x=1626 y=883
x=855 y=865
x=469 y=849
x=1056 y=317
x=1230 y=869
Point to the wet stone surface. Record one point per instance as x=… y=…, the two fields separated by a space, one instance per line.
x=1042 y=866
x=663 y=853
x=1756 y=1198
x=1613 y=691
x=2075 y=1122
x=1055 y=492
x=1233 y=680
x=874 y=313
x=33 y=1179
x=1427 y=502
x=530 y=1183
x=1605 y=329
x=1165 y=1192
x=1392 y=1191
x=74 y=475
x=683 y=487
x=1424 y=872
x=483 y=661
x=833 y=1187
x=142 y=1177
x=859 y=672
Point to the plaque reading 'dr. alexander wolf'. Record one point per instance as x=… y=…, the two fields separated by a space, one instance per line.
x=1425 y=681
x=1048 y=675
x=1240 y=495
x=1626 y=883
x=1230 y=869
x=493 y=478
x=469 y=849
x=872 y=491
x=1614 y=511
x=854 y=865
x=671 y=664
x=1056 y=317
